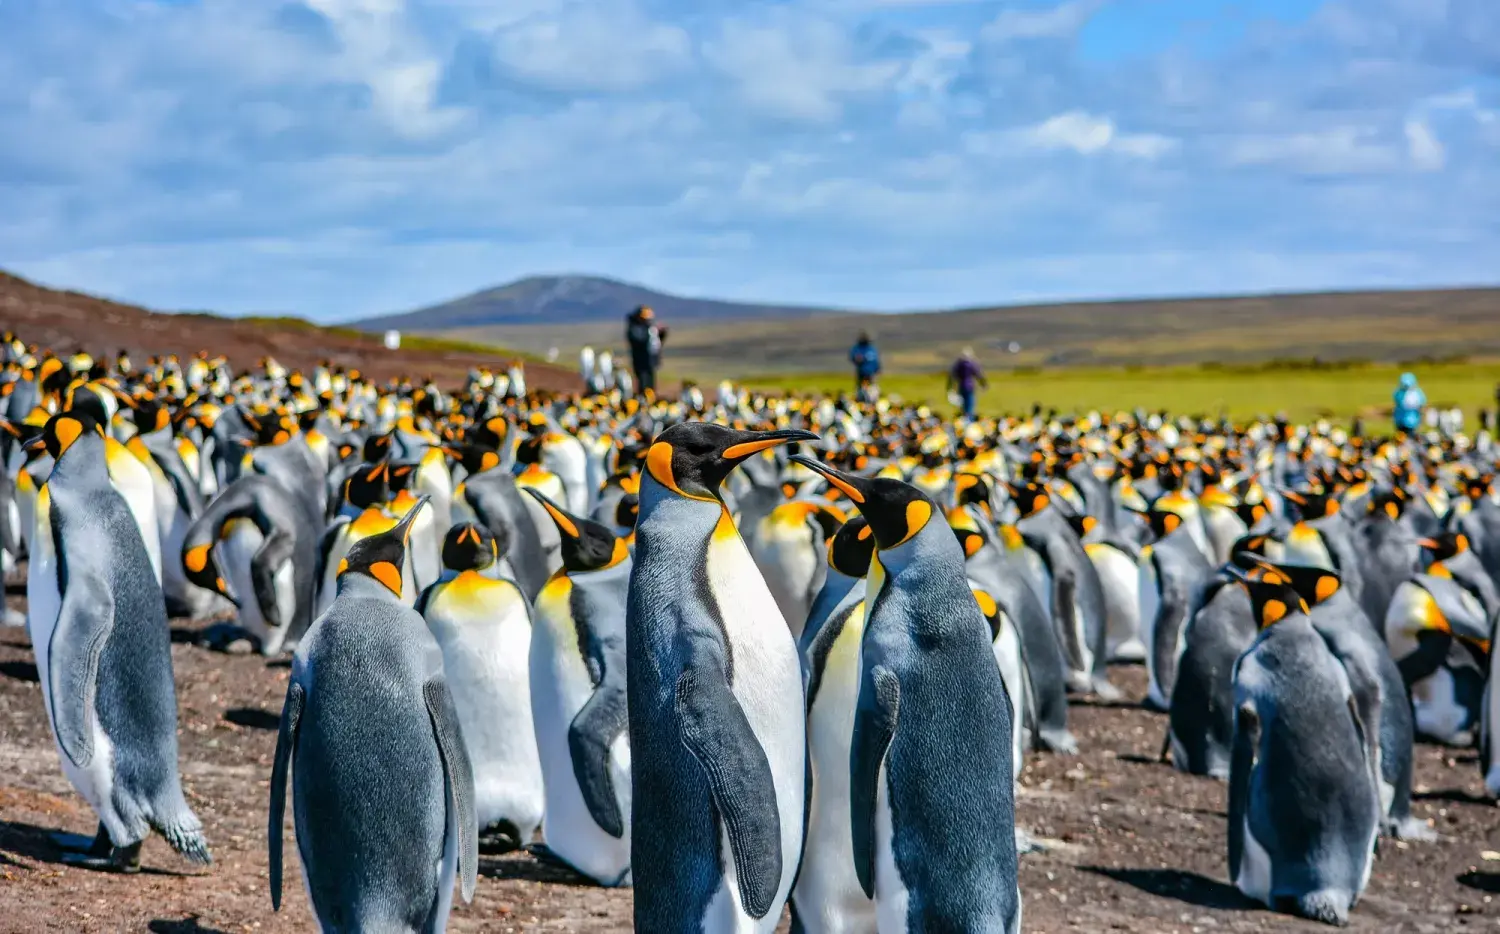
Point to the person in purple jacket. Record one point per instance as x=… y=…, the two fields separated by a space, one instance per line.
x=964 y=375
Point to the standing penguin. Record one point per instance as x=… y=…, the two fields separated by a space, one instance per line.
x=1304 y=810
x=483 y=626
x=382 y=792
x=1171 y=570
x=789 y=547
x=829 y=898
x=98 y=624
x=578 y=698
x=931 y=787
x=717 y=725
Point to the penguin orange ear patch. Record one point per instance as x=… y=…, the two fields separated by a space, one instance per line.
x=972 y=544
x=1328 y=585
x=343 y=566
x=388 y=574
x=196 y=559
x=1272 y=611
x=489 y=460
x=918 y=512
x=987 y=604
x=1170 y=522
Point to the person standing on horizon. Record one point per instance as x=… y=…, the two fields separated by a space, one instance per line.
x=965 y=375
x=1409 y=401
x=866 y=360
x=645 y=337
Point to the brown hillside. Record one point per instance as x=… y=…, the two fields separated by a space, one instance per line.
x=65 y=321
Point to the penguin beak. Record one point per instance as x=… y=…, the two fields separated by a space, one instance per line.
x=856 y=488
x=404 y=527
x=561 y=519
x=764 y=440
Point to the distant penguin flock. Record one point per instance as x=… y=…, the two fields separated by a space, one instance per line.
x=749 y=655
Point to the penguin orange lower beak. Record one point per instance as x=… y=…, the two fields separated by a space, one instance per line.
x=693 y=459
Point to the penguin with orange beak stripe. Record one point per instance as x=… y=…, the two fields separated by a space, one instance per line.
x=932 y=796
x=483 y=626
x=578 y=699
x=717 y=725
x=382 y=787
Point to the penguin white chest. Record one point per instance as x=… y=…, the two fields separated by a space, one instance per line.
x=767 y=683
x=95 y=781
x=891 y=895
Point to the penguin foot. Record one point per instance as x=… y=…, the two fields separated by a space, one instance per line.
x=499 y=838
x=1105 y=691
x=98 y=846
x=1129 y=652
x=1078 y=682
x=14 y=618
x=121 y=859
x=1411 y=829
x=1061 y=742
x=1026 y=844
x=229 y=639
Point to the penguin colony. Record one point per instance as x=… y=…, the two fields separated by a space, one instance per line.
x=743 y=654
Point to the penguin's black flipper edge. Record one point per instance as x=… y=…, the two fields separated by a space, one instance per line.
x=286 y=742
x=459 y=777
x=716 y=732
x=275 y=551
x=601 y=720
x=1242 y=760
x=84 y=622
x=874 y=725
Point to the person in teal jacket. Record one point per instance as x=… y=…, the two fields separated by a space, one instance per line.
x=1410 y=400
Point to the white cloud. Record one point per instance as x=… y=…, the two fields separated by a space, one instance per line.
x=1337 y=150
x=594 y=46
x=1058 y=22
x=796 y=68
x=1087 y=134
x=1423 y=147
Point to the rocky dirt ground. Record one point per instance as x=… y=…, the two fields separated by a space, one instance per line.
x=1133 y=845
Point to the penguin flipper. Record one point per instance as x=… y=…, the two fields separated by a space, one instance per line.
x=601 y=720
x=716 y=732
x=1242 y=760
x=84 y=621
x=275 y=551
x=874 y=725
x=459 y=777
x=286 y=742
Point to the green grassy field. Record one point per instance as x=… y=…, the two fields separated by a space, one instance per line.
x=1338 y=393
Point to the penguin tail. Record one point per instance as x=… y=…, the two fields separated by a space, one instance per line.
x=185 y=835
x=1327 y=905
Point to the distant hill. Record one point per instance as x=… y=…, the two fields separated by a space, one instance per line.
x=569 y=300
x=66 y=321
x=1389 y=326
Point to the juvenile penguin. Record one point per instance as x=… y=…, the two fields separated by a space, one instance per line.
x=98 y=625
x=828 y=898
x=382 y=791
x=483 y=626
x=932 y=797
x=717 y=724
x=1304 y=810
x=578 y=698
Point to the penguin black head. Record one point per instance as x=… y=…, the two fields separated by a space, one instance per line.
x=85 y=401
x=1390 y=503
x=492 y=432
x=382 y=556
x=270 y=429
x=1446 y=545
x=476 y=458
x=1030 y=498
x=202 y=567
x=1249 y=550
x=370 y=485
x=1313 y=504
x=1312 y=584
x=628 y=510
x=469 y=547
x=378 y=447
x=148 y=412
x=896 y=511
x=1272 y=596
x=972 y=488
x=62 y=431
x=586 y=545
x=852 y=548
x=692 y=459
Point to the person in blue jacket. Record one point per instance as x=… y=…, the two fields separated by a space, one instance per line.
x=1410 y=401
x=866 y=360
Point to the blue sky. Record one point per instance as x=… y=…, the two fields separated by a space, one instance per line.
x=336 y=158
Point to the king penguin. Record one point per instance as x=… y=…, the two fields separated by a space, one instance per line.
x=932 y=793
x=717 y=724
x=1304 y=809
x=382 y=790
x=483 y=626
x=828 y=898
x=578 y=698
x=98 y=625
